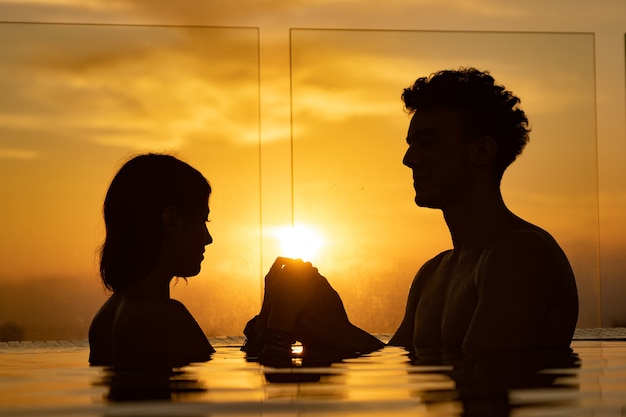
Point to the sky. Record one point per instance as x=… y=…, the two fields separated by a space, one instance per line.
x=81 y=99
x=292 y=111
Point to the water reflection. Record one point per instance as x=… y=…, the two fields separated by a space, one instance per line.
x=389 y=381
x=483 y=384
x=146 y=384
x=298 y=366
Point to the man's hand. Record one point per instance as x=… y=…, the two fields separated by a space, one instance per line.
x=291 y=289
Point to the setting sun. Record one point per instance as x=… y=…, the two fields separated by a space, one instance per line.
x=299 y=242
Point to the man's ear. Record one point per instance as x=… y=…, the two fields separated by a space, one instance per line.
x=484 y=150
x=171 y=219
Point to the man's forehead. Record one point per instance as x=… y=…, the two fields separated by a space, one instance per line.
x=435 y=117
x=440 y=121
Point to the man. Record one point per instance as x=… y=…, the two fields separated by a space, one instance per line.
x=505 y=284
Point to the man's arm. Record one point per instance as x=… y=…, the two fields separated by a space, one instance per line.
x=324 y=324
x=301 y=304
x=404 y=335
x=526 y=295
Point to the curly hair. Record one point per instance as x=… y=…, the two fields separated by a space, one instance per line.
x=487 y=109
x=133 y=209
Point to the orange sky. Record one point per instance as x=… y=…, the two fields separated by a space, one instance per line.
x=78 y=100
x=348 y=119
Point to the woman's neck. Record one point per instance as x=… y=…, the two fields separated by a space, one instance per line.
x=160 y=282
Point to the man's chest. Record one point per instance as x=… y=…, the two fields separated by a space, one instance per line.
x=446 y=304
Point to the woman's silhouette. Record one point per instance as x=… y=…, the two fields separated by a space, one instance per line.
x=155 y=214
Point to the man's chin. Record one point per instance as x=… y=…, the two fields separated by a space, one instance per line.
x=425 y=203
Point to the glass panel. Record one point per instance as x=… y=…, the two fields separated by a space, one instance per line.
x=349 y=133
x=78 y=101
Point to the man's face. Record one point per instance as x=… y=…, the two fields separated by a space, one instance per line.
x=438 y=157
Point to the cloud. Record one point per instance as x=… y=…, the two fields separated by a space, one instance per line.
x=132 y=86
x=338 y=74
x=18 y=154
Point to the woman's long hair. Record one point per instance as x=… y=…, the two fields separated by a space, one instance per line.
x=133 y=210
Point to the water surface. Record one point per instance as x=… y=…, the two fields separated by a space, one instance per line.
x=53 y=379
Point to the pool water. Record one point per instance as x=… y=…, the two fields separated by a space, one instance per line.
x=53 y=379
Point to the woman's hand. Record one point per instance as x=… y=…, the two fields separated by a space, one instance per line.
x=262 y=319
x=292 y=288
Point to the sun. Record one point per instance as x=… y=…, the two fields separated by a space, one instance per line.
x=299 y=241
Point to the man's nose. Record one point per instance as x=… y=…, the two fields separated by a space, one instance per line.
x=410 y=158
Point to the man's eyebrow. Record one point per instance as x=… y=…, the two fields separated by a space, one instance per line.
x=418 y=134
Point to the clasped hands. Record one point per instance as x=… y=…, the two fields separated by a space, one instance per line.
x=301 y=303
x=290 y=286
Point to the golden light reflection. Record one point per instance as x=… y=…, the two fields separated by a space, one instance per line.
x=300 y=241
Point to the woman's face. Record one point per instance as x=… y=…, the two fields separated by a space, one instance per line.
x=190 y=240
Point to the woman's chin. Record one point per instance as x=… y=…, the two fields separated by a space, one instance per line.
x=190 y=273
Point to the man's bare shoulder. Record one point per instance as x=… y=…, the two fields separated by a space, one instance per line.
x=428 y=270
x=424 y=275
x=525 y=252
x=432 y=264
x=526 y=241
x=523 y=230
x=526 y=293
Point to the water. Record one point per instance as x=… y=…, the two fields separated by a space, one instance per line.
x=54 y=380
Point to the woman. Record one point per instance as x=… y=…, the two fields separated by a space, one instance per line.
x=155 y=214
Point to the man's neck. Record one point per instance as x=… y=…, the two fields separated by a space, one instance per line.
x=476 y=221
